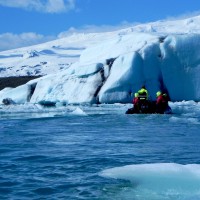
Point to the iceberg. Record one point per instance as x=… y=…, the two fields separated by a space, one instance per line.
x=158 y=180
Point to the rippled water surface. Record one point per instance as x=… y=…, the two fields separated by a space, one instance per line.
x=62 y=154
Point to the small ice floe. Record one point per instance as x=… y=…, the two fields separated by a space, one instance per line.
x=78 y=111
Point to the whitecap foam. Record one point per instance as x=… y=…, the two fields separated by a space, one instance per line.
x=189 y=120
x=32 y=111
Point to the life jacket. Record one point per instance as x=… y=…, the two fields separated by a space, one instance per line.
x=160 y=100
x=162 y=103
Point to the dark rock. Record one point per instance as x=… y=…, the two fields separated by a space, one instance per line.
x=15 y=81
x=8 y=101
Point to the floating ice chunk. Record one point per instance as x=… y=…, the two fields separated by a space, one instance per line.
x=163 y=180
x=78 y=111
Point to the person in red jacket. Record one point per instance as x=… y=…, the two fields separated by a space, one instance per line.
x=136 y=102
x=136 y=98
x=161 y=102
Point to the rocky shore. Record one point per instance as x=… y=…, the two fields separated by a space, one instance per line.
x=15 y=81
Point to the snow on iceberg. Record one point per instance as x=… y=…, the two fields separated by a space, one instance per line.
x=160 y=62
x=79 y=86
x=118 y=45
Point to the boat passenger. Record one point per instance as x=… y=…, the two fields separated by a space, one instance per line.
x=136 y=99
x=161 y=102
x=143 y=93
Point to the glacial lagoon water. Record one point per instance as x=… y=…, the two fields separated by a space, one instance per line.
x=98 y=152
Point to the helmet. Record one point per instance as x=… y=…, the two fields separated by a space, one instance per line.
x=136 y=94
x=158 y=93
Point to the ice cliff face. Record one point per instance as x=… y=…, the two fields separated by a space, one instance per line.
x=111 y=69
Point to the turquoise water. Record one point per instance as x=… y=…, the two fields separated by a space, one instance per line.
x=73 y=154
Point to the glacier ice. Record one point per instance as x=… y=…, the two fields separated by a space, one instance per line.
x=160 y=61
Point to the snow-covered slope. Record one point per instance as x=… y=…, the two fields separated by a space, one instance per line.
x=57 y=55
x=50 y=57
x=106 y=67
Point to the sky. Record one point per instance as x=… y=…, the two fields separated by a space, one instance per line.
x=27 y=22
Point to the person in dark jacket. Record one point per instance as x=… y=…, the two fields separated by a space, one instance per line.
x=143 y=103
x=143 y=92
